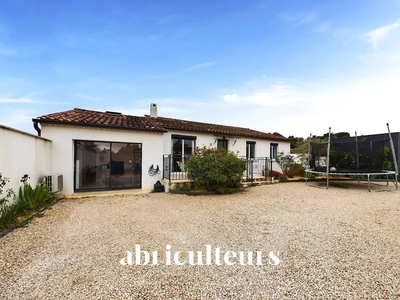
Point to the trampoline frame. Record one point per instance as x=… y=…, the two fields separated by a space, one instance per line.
x=368 y=174
x=356 y=173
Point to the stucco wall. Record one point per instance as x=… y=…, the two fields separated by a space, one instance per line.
x=63 y=150
x=262 y=148
x=23 y=153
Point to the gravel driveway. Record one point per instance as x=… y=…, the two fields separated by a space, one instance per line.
x=340 y=243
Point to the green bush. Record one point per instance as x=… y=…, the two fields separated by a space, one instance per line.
x=283 y=179
x=215 y=169
x=296 y=170
x=29 y=200
x=311 y=176
x=184 y=188
x=33 y=198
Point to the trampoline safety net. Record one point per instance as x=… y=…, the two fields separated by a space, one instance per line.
x=352 y=156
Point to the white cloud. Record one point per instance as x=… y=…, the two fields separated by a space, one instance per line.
x=324 y=27
x=278 y=93
x=230 y=98
x=191 y=68
x=87 y=97
x=4 y=51
x=19 y=118
x=21 y=100
x=298 y=18
x=378 y=35
x=25 y=99
x=202 y=65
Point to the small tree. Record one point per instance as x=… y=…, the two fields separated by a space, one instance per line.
x=288 y=164
x=215 y=169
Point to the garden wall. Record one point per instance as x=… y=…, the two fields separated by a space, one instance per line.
x=23 y=153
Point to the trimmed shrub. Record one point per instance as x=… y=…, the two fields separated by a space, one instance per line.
x=296 y=170
x=276 y=174
x=283 y=179
x=215 y=169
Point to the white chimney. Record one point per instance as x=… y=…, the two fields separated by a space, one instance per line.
x=153 y=110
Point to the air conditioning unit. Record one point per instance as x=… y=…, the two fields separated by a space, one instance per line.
x=54 y=182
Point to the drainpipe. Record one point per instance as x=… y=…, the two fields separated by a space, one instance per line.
x=37 y=128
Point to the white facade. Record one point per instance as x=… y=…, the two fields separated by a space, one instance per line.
x=23 y=153
x=154 y=146
x=62 y=154
x=237 y=145
x=54 y=153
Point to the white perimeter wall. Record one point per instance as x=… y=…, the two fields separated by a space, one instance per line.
x=63 y=150
x=23 y=153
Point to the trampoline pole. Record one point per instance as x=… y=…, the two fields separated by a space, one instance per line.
x=369 y=189
x=327 y=158
x=358 y=162
x=357 y=158
x=308 y=157
x=396 y=167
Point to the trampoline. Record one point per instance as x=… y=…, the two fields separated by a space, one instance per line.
x=354 y=158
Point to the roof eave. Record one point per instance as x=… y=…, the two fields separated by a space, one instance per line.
x=97 y=125
x=229 y=134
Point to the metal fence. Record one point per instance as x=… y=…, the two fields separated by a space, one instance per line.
x=256 y=168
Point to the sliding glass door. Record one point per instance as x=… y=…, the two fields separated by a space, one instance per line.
x=106 y=165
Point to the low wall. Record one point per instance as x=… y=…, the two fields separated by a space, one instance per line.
x=23 y=153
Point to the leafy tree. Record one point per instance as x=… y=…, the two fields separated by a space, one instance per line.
x=295 y=141
x=278 y=134
x=382 y=159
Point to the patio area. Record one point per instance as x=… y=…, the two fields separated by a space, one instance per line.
x=337 y=243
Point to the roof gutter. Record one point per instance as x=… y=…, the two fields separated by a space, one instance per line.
x=95 y=126
x=36 y=126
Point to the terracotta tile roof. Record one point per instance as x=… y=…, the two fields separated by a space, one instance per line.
x=92 y=118
x=85 y=117
x=222 y=130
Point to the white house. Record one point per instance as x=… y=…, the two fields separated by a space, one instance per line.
x=96 y=151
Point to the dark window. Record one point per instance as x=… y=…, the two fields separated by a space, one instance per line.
x=222 y=143
x=250 y=149
x=273 y=150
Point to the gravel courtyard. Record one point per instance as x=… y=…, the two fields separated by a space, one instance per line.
x=340 y=243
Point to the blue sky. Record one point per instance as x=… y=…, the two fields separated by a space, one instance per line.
x=294 y=67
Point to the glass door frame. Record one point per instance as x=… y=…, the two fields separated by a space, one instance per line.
x=108 y=162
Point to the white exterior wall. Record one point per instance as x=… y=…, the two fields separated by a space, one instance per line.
x=23 y=153
x=63 y=150
x=262 y=148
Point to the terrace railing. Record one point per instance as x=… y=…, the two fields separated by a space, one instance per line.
x=256 y=168
x=174 y=167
